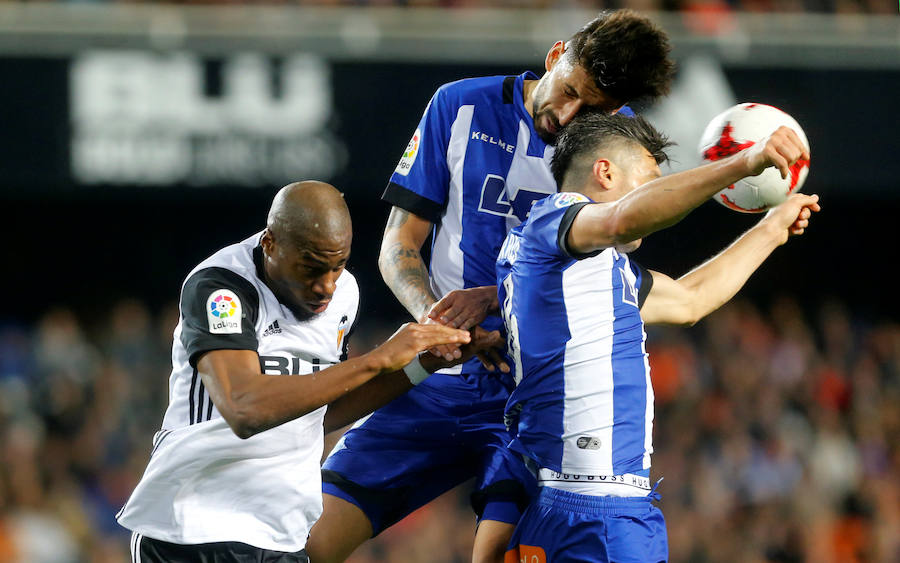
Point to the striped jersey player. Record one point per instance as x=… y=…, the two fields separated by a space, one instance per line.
x=580 y=359
x=477 y=161
x=474 y=166
x=574 y=307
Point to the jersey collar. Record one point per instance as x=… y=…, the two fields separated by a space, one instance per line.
x=519 y=95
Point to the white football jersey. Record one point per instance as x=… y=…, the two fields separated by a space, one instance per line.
x=204 y=484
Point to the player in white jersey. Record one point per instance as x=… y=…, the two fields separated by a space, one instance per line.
x=477 y=161
x=259 y=351
x=575 y=306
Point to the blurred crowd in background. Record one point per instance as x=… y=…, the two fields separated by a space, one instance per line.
x=777 y=431
x=706 y=8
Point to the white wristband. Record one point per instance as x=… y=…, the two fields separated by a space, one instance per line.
x=415 y=372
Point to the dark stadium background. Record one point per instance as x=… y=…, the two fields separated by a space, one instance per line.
x=84 y=247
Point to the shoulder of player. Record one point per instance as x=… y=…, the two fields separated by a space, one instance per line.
x=209 y=279
x=557 y=203
x=471 y=90
x=236 y=257
x=231 y=268
x=346 y=295
x=347 y=282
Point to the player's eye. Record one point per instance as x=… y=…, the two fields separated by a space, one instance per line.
x=312 y=270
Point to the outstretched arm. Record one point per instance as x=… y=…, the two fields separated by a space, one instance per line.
x=708 y=287
x=251 y=402
x=665 y=201
x=380 y=391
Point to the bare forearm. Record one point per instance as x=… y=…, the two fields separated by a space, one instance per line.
x=385 y=388
x=665 y=201
x=719 y=279
x=405 y=273
x=256 y=403
x=401 y=264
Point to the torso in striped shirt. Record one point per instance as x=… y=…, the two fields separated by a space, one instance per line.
x=474 y=167
x=583 y=403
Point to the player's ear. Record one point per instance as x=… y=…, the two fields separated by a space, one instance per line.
x=267 y=242
x=602 y=173
x=554 y=54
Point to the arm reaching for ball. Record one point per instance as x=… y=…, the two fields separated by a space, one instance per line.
x=706 y=288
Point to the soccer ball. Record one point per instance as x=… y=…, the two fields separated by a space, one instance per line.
x=740 y=127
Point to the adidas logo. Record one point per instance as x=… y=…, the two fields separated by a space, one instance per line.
x=272 y=329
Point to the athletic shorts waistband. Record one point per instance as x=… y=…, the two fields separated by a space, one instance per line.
x=625 y=485
x=557 y=498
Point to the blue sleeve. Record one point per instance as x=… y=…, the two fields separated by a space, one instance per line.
x=421 y=181
x=549 y=223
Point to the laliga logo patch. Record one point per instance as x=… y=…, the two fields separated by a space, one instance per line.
x=223 y=311
x=409 y=155
x=570 y=198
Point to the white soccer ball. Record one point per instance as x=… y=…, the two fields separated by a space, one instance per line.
x=734 y=130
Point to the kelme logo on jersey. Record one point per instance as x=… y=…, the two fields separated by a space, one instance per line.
x=223 y=311
x=569 y=198
x=409 y=155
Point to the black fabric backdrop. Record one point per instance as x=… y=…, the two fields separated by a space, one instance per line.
x=81 y=246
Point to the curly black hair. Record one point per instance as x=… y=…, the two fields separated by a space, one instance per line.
x=626 y=54
x=592 y=129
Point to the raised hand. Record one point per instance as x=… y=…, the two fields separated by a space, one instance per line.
x=792 y=216
x=781 y=149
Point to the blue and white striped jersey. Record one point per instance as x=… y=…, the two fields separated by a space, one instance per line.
x=474 y=167
x=583 y=402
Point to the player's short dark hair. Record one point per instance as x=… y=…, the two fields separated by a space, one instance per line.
x=592 y=129
x=626 y=54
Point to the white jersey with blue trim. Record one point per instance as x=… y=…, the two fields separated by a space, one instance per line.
x=474 y=167
x=583 y=403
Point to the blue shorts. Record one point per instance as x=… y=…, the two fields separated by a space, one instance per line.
x=560 y=526
x=443 y=432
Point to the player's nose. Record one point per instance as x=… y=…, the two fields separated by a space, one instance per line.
x=325 y=285
x=568 y=112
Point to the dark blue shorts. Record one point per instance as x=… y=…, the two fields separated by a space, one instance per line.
x=560 y=526
x=424 y=443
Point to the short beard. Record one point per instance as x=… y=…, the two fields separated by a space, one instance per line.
x=545 y=135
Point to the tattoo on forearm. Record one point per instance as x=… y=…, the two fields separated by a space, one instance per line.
x=405 y=273
x=397 y=218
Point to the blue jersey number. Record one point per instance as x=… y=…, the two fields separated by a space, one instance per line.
x=512 y=328
x=496 y=201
